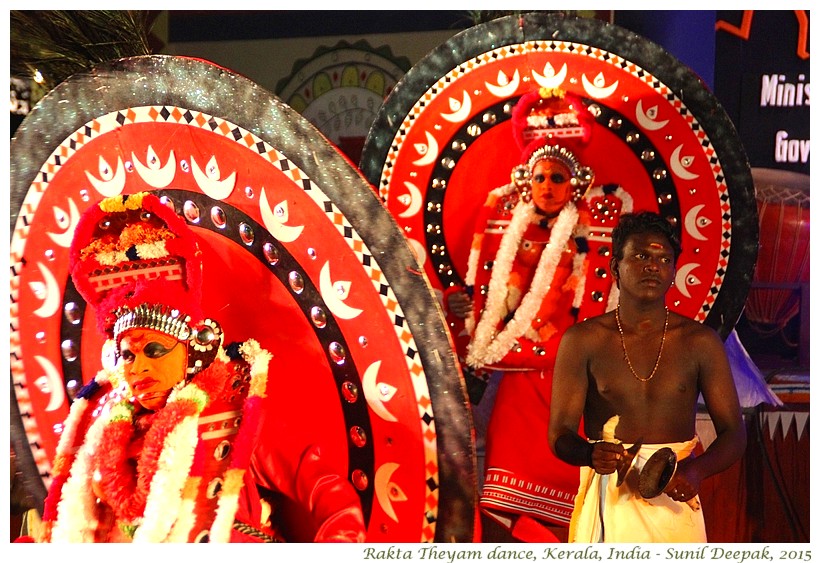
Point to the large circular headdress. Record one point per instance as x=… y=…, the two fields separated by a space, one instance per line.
x=297 y=253
x=446 y=136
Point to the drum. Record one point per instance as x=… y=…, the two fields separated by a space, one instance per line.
x=783 y=258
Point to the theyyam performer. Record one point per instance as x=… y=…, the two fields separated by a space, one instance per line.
x=165 y=444
x=530 y=276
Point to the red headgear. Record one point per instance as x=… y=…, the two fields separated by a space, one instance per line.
x=550 y=116
x=138 y=263
x=549 y=123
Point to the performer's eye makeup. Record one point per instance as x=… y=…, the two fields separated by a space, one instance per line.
x=155 y=350
x=151 y=350
x=558 y=178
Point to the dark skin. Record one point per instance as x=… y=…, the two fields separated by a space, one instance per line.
x=593 y=379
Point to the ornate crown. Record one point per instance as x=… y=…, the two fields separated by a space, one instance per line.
x=133 y=250
x=139 y=265
x=551 y=114
x=581 y=177
x=156 y=317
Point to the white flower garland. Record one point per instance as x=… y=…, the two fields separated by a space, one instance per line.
x=258 y=359
x=76 y=521
x=226 y=507
x=165 y=493
x=486 y=346
x=475 y=252
x=167 y=515
x=76 y=515
x=187 y=514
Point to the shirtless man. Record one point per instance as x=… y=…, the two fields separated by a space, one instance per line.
x=646 y=366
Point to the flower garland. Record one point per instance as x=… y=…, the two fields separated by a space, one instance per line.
x=187 y=507
x=76 y=519
x=165 y=492
x=487 y=346
x=154 y=502
x=475 y=247
x=149 y=242
x=258 y=359
x=66 y=454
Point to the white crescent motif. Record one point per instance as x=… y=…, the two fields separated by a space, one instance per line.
x=428 y=152
x=111 y=182
x=67 y=222
x=51 y=383
x=48 y=291
x=154 y=173
x=679 y=165
x=377 y=394
x=505 y=88
x=109 y=354
x=412 y=199
x=598 y=88
x=418 y=250
x=684 y=278
x=335 y=294
x=275 y=220
x=647 y=119
x=550 y=79
x=209 y=181
x=693 y=223
x=387 y=492
x=461 y=110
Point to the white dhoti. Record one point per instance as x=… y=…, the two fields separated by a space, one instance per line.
x=605 y=512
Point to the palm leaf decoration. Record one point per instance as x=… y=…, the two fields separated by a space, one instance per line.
x=48 y=46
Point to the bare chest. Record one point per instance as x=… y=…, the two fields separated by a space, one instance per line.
x=657 y=406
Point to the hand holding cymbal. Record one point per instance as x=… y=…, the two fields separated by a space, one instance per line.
x=657 y=473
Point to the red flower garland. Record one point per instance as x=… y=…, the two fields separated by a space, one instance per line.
x=126 y=489
x=53 y=498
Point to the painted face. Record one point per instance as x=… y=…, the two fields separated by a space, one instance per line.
x=551 y=188
x=648 y=265
x=153 y=363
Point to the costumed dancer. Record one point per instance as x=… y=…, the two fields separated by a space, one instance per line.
x=634 y=374
x=531 y=273
x=166 y=443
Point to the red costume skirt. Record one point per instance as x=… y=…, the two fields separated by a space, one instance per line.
x=523 y=477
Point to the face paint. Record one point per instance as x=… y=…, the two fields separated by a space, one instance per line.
x=153 y=363
x=551 y=187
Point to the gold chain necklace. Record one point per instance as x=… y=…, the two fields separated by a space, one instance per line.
x=623 y=345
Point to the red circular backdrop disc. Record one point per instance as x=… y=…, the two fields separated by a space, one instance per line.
x=299 y=254
x=443 y=139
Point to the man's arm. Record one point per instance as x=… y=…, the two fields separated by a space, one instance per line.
x=569 y=391
x=720 y=395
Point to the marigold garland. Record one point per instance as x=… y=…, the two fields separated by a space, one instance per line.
x=120 y=204
x=149 y=241
x=155 y=500
x=165 y=494
x=65 y=454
